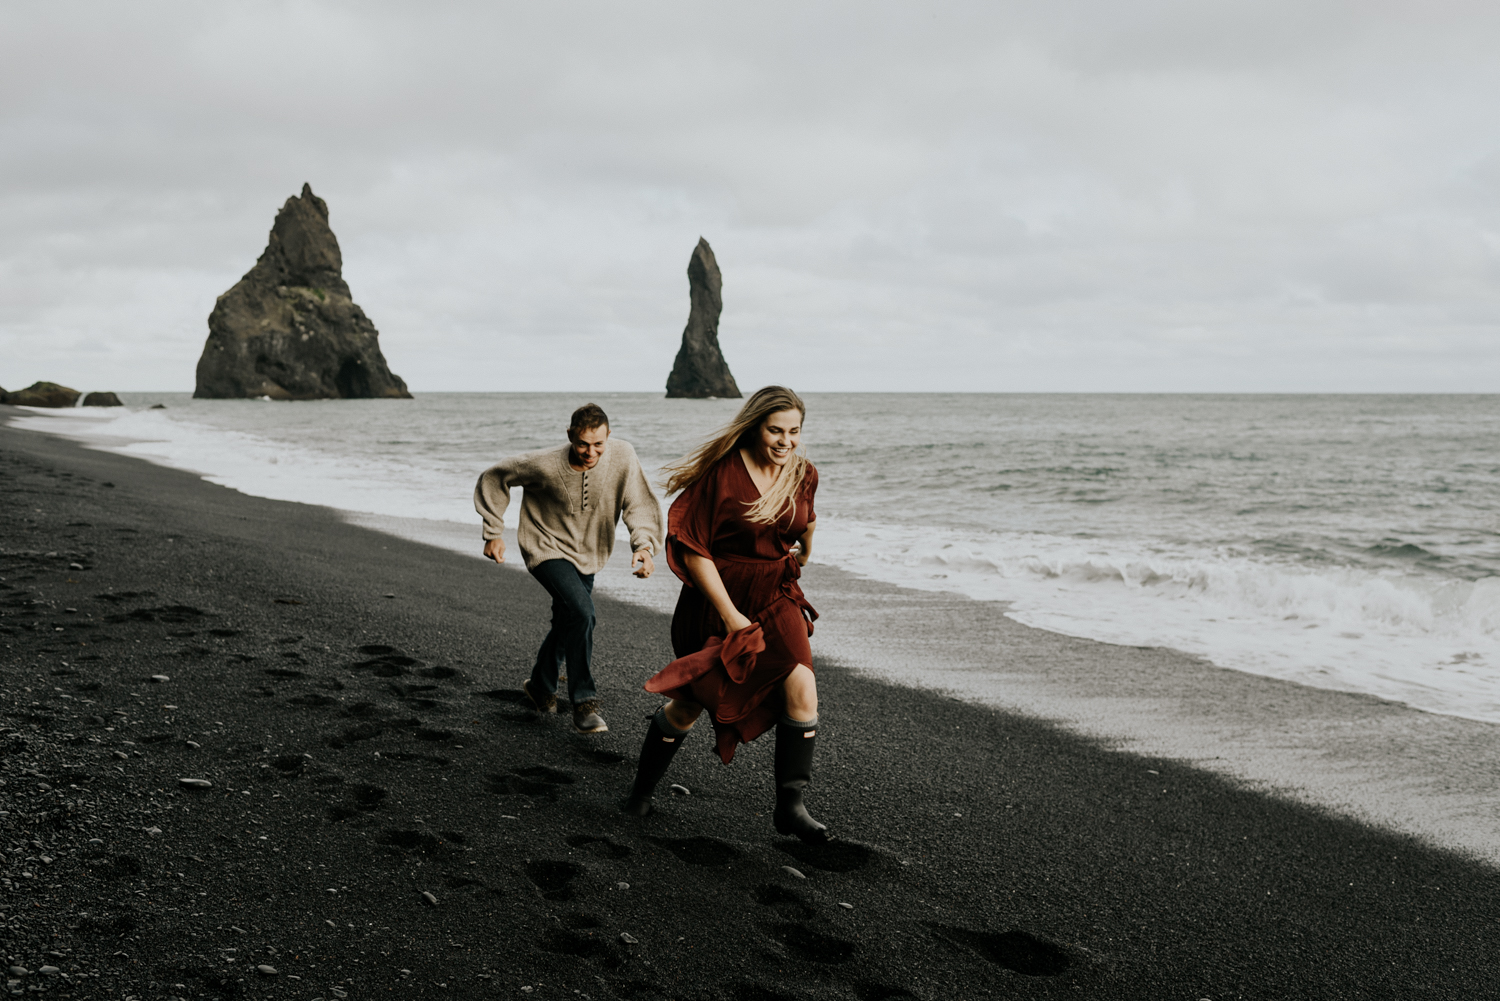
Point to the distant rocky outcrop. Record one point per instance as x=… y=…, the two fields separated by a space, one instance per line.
x=102 y=400
x=41 y=394
x=289 y=329
x=700 y=371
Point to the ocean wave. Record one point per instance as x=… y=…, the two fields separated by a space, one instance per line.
x=1299 y=604
x=1429 y=641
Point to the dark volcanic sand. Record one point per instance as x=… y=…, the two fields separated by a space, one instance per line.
x=365 y=749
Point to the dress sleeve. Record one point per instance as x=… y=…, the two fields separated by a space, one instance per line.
x=690 y=523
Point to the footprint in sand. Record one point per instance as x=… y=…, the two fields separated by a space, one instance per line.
x=418 y=841
x=882 y=992
x=408 y=756
x=538 y=780
x=760 y=992
x=599 y=756
x=814 y=946
x=700 y=850
x=554 y=879
x=835 y=856
x=772 y=895
x=119 y=867
x=366 y=798
x=1018 y=951
x=290 y=765
x=603 y=847
x=312 y=700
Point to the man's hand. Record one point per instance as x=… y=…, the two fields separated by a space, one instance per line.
x=646 y=568
x=495 y=550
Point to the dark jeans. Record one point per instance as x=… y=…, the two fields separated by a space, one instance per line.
x=572 y=635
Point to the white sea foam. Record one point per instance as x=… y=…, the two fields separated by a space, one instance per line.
x=1425 y=639
x=1432 y=643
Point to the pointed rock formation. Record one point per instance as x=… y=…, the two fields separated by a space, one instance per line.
x=700 y=371
x=42 y=394
x=289 y=329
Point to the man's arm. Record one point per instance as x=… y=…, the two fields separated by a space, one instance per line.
x=492 y=497
x=642 y=514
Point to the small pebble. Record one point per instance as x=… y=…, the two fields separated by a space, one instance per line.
x=269 y=971
x=96 y=842
x=75 y=566
x=121 y=755
x=193 y=744
x=329 y=922
x=431 y=900
x=622 y=886
x=390 y=596
x=195 y=783
x=159 y=678
x=847 y=907
x=628 y=938
x=237 y=928
x=169 y=707
x=19 y=971
x=153 y=831
x=678 y=790
x=792 y=872
x=49 y=971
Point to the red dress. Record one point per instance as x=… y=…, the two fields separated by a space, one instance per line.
x=737 y=678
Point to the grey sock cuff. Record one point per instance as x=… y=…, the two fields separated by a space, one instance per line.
x=665 y=725
x=799 y=724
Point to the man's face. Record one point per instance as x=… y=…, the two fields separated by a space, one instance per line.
x=588 y=446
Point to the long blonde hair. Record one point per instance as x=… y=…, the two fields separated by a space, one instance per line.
x=781 y=498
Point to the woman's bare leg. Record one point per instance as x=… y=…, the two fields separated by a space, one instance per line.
x=683 y=714
x=801 y=691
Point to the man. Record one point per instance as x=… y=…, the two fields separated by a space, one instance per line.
x=571 y=501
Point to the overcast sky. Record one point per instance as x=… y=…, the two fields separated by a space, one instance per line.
x=1051 y=196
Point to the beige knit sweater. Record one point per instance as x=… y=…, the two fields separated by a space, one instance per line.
x=568 y=513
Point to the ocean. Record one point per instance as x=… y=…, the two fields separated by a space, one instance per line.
x=1345 y=542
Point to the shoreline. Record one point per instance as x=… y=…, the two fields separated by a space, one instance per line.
x=1385 y=763
x=1367 y=626
x=987 y=853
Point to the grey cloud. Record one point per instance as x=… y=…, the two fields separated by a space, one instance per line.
x=1151 y=196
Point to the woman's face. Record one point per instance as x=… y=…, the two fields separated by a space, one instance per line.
x=780 y=434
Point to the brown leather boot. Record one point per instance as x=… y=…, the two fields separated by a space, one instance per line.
x=586 y=718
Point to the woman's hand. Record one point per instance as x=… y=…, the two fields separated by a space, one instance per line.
x=803 y=548
x=705 y=577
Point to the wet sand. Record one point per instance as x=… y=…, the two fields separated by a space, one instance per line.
x=364 y=750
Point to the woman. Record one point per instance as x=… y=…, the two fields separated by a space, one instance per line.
x=738 y=536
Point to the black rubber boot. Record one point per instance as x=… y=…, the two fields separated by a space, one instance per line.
x=662 y=742
x=795 y=742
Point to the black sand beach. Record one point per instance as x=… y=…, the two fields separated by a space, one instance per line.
x=353 y=700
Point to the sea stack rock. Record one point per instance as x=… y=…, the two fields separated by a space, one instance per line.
x=289 y=329
x=102 y=400
x=700 y=371
x=43 y=394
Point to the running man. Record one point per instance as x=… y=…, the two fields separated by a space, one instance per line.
x=572 y=498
